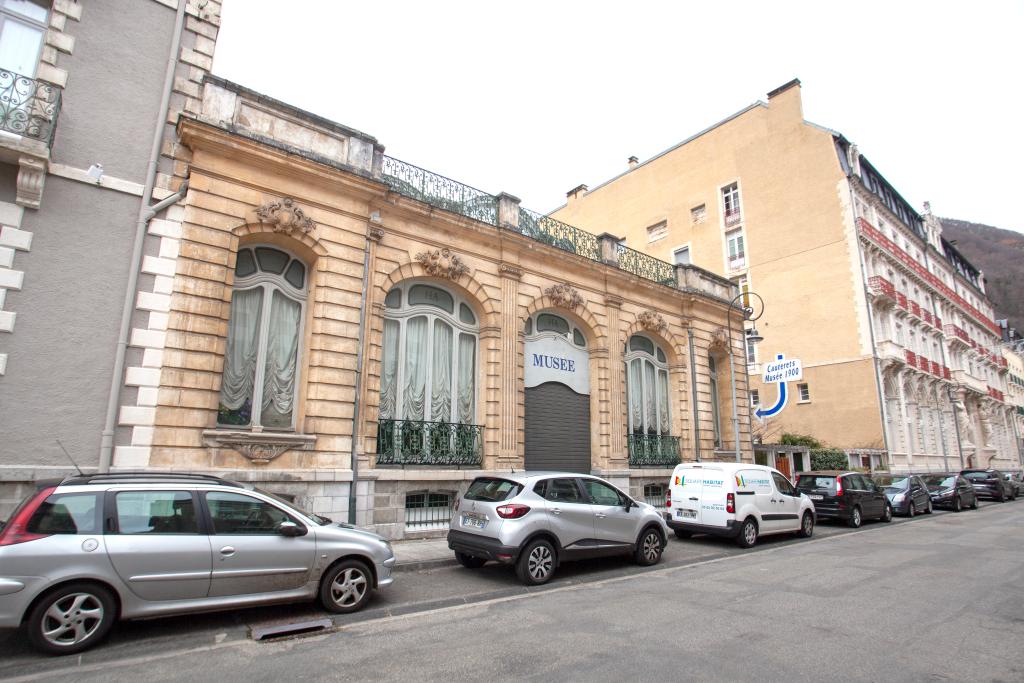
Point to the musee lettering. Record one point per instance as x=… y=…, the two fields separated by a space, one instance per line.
x=553 y=362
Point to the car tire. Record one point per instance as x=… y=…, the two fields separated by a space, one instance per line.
x=958 y=504
x=856 y=519
x=887 y=513
x=346 y=587
x=649 y=547
x=911 y=511
x=974 y=503
x=683 y=535
x=470 y=561
x=536 y=563
x=928 y=510
x=747 y=536
x=71 y=619
x=806 y=526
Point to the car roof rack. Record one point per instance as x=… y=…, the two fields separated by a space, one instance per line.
x=147 y=477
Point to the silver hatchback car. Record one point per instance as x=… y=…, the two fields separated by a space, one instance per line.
x=535 y=520
x=79 y=554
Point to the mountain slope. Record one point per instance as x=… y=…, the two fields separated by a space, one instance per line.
x=1000 y=255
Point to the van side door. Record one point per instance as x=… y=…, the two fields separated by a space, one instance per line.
x=787 y=504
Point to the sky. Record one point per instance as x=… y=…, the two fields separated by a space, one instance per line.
x=535 y=98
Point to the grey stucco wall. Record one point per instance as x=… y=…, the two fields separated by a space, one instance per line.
x=8 y=182
x=61 y=354
x=115 y=80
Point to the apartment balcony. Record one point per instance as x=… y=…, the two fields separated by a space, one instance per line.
x=1004 y=366
x=976 y=385
x=938 y=323
x=28 y=120
x=883 y=290
x=890 y=351
x=653 y=450
x=945 y=372
x=923 y=363
x=936 y=369
x=915 y=309
x=419 y=443
x=927 y=317
x=911 y=358
x=732 y=217
x=995 y=393
x=957 y=334
x=901 y=301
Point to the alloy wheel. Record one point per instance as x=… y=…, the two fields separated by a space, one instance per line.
x=652 y=547
x=72 y=619
x=540 y=563
x=349 y=587
x=911 y=511
x=750 y=533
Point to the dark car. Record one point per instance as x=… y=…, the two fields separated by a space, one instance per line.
x=1016 y=479
x=950 y=490
x=906 y=492
x=990 y=483
x=848 y=496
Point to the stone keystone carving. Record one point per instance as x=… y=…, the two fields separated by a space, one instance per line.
x=652 y=321
x=720 y=339
x=564 y=296
x=442 y=263
x=285 y=216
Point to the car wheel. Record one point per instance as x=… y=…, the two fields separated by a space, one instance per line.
x=911 y=511
x=649 y=548
x=346 y=587
x=71 y=619
x=683 y=535
x=536 y=564
x=855 y=519
x=958 y=504
x=806 y=526
x=928 y=510
x=748 y=533
x=469 y=561
x=887 y=513
x=974 y=504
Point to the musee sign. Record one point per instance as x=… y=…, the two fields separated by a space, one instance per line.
x=787 y=370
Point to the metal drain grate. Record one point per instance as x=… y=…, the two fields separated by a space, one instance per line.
x=293 y=629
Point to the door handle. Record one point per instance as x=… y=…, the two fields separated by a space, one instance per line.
x=227 y=551
x=600 y=515
x=693 y=499
x=556 y=511
x=774 y=501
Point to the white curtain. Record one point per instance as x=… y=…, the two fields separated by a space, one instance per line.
x=666 y=428
x=242 y=348
x=282 y=353
x=467 y=377
x=635 y=388
x=414 y=402
x=19 y=49
x=389 y=373
x=651 y=407
x=441 y=391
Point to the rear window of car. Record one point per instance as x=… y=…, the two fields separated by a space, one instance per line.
x=978 y=475
x=491 y=490
x=940 y=481
x=67 y=513
x=810 y=482
x=890 y=482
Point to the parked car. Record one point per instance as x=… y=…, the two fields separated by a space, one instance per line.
x=950 y=490
x=907 y=493
x=537 y=520
x=1016 y=479
x=848 y=496
x=990 y=483
x=736 y=500
x=80 y=553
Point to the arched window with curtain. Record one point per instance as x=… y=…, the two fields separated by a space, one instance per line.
x=428 y=379
x=261 y=364
x=649 y=417
x=716 y=406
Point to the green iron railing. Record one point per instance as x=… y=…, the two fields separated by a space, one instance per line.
x=436 y=190
x=653 y=450
x=647 y=267
x=560 y=235
x=416 y=442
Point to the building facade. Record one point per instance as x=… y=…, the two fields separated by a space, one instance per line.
x=1014 y=357
x=893 y=328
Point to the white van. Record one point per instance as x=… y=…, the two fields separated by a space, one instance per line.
x=736 y=500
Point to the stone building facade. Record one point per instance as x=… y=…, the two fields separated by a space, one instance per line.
x=337 y=316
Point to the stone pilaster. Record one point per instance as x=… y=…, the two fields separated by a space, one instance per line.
x=374 y=235
x=508 y=403
x=609 y=245
x=508 y=211
x=618 y=455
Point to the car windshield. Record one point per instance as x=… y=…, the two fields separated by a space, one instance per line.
x=319 y=519
x=940 y=481
x=492 y=490
x=810 y=482
x=894 y=483
x=977 y=475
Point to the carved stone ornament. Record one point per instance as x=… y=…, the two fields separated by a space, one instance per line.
x=285 y=216
x=652 y=321
x=510 y=271
x=442 y=263
x=259 y=447
x=720 y=339
x=564 y=296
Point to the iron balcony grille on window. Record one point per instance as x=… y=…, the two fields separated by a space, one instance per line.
x=654 y=494
x=653 y=450
x=427 y=511
x=417 y=442
x=732 y=216
x=28 y=107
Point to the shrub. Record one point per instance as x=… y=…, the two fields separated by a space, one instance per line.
x=799 y=440
x=829 y=459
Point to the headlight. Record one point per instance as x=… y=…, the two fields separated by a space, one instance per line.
x=898 y=498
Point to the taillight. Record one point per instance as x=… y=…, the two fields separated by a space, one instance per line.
x=839 y=486
x=668 y=498
x=730 y=503
x=512 y=510
x=16 y=530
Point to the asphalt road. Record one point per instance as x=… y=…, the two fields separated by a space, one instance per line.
x=938 y=597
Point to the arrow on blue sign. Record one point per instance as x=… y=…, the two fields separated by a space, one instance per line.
x=779 y=405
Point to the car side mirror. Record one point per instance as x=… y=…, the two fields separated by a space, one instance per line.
x=290 y=529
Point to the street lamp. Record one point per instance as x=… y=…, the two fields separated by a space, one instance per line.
x=750 y=336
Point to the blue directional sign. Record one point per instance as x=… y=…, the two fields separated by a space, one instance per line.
x=779 y=372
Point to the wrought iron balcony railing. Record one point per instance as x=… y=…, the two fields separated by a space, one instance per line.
x=647 y=267
x=416 y=442
x=560 y=235
x=653 y=450
x=28 y=107
x=436 y=190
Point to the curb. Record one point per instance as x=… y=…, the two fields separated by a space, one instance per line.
x=417 y=565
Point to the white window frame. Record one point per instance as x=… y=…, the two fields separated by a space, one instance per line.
x=739 y=261
x=755 y=398
x=731 y=203
x=689 y=254
x=660 y=367
x=803 y=392
x=7 y=15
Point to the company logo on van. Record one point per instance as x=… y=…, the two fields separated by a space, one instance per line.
x=744 y=482
x=680 y=480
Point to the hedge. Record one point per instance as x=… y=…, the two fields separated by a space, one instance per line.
x=829 y=459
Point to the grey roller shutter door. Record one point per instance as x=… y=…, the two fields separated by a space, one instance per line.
x=557 y=429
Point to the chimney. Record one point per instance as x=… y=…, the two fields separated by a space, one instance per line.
x=633 y=161
x=575 y=193
x=786 y=101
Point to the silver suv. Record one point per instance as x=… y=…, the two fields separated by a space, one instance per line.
x=535 y=520
x=79 y=554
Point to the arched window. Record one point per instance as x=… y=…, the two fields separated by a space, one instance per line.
x=716 y=412
x=264 y=333
x=551 y=323
x=647 y=387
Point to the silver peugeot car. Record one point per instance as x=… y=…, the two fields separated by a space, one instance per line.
x=536 y=520
x=80 y=553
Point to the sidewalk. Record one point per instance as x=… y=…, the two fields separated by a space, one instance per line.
x=422 y=554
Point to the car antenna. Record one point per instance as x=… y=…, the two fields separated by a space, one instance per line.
x=80 y=472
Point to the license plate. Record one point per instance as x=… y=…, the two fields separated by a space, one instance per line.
x=686 y=514
x=817 y=497
x=474 y=521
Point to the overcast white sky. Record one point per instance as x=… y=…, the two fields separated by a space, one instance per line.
x=534 y=98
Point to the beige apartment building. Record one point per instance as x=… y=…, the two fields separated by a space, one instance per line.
x=1014 y=356
x=899 y=349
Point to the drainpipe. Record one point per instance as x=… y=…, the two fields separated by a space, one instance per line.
x=693 y=392
x=146 y=213
x=354 y=458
